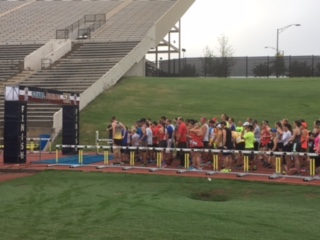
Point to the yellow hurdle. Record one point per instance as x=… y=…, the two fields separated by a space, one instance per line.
x=57 y=155
x=80 y=159
x=215 y=162
x=50 y=146
x=32 y=146
x=106 y=157
x=278 y=165
x=246 y=164
x=159 y=159
x=132 y=158
x=312 y=167
x=186 y=161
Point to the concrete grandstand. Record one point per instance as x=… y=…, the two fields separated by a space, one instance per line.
x=82 y=46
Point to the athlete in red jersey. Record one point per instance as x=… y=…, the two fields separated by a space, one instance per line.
x=196 y=142
x=181 y=138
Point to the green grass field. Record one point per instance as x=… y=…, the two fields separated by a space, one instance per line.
x=262 y=99
x=76 y=205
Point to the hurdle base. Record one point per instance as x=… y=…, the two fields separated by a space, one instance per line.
x=211 y=173
x=127 y=168
x=154 y=169
x=275 y=176
x=182 y=171
x=75 y=165
x=242 y=174
x=309 y=179
x=101 y=167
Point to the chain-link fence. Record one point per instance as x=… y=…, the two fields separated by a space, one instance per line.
x=281 y=66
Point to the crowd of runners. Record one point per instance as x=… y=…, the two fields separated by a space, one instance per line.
x=222 y=134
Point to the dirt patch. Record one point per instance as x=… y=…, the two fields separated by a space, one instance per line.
x=217 y=195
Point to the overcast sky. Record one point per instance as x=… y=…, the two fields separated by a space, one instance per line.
x=251 y=25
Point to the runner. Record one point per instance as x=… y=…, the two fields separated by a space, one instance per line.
x=224 y=118
x=287 y=147
x=205 y=133
x=149 y=142
x=239 y=145
x=117 y=128
x=227 y=145
x=143 y=141
x=265 y=139
x=296 y=141
x=317 y=149
x=125 y=143
x=169 y=137
x=273 y=147
x=181 y=139
x=249 y=145
x=233 y=126
x=196 y=142
x=304 y=142
x=257 y=135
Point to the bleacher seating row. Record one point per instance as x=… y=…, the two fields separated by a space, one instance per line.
x=75 y=72
x=37 y=22
x=25 y=25
x=11 y=59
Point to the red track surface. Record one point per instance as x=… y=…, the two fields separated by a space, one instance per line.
x=12 y=171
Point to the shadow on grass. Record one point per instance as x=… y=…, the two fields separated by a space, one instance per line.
x=217 y=195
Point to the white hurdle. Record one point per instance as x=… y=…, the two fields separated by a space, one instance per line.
x=98 y=140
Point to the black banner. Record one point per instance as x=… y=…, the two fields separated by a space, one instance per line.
x=34 y=94
x=70 y=128
x=15 y=132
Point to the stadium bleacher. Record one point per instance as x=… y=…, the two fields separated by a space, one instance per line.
x=131 y=29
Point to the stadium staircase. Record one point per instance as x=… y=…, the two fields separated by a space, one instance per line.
x=115 y=49
x=75 y=72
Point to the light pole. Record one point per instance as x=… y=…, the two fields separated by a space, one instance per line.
x=183 y=56
x=280 y=51
x=280 y=30
x=183 y=52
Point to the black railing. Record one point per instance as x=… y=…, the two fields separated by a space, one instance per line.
x=282 y=66
x=96 y=19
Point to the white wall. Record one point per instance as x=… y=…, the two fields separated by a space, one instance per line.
x=138 y=69
x=135 y=57
x=53 y=50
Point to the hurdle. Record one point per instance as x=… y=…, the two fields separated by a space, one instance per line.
x=32 y=145
x=80 y=149
x=186 y=164
x=278 y=173
x=159 y=162
x=98 y=140
x=131 y=161
x=215 y=165
x=312 y=171
x=187 y=152
x=246 y=167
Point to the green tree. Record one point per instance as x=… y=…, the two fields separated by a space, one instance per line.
x=189 y=70
x=300 y=69
x=317 y=70
x=262 y=70
x=224 y=64
x=207 y=61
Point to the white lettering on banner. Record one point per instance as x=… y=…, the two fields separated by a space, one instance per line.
x=39 y=95
x=66 y=97
x=22 y=132
x=53 y=97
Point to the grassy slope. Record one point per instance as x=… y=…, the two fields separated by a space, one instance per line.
x=74 y=205
x=133 y=98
